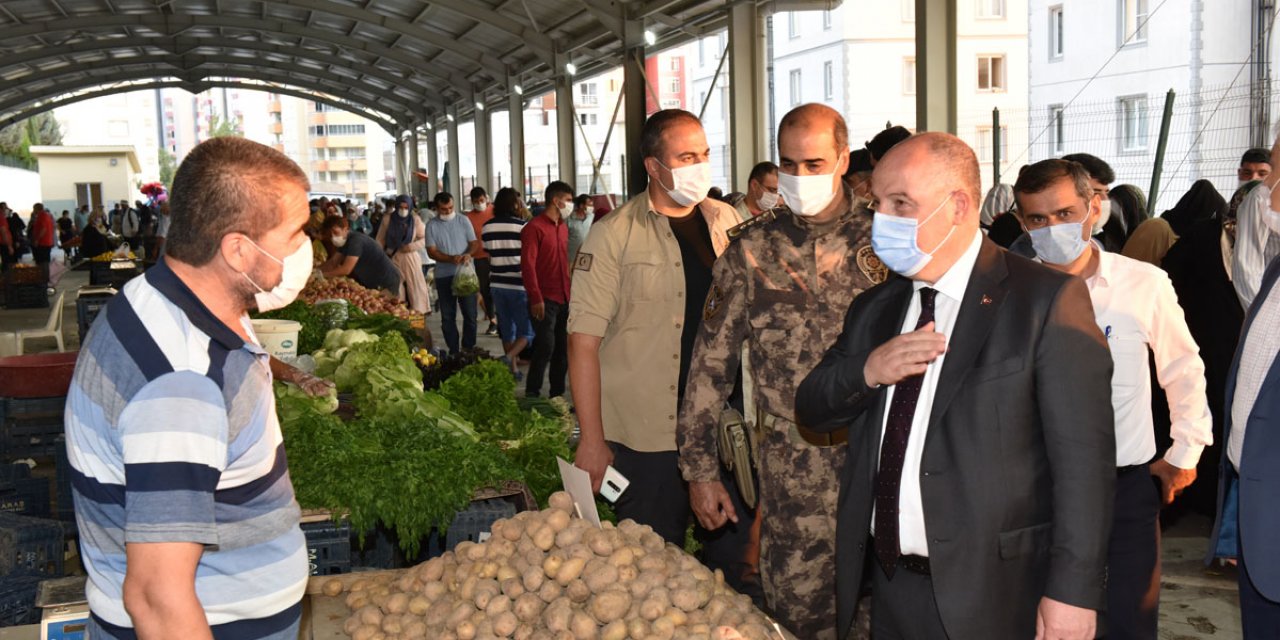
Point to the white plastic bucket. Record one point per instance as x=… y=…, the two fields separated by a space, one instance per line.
x=278 y=337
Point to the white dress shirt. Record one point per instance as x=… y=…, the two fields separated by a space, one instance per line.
x=1259 y=352
x=1136 y=309
x=1256 y=245
x=912 y=538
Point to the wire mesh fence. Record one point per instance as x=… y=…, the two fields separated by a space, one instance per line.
x=1209 y=130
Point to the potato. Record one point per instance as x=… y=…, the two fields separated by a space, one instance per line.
x=570 y=570
x=498 y=604
x=533 y=578
x=523 y=632
x=418 y=605
x=677 y=617
x=599 y=575
x=507 y=572
x=349 y=627
x=562 y=501
x=551 y=566
x=664 y=628
x=366 y=632
x=370 y=615
x=627 y=573
x=544 y=538
x=396 y=603
x=610 y=606
x=360 y=585
x=504 y=624
x=488 y=569
x=332 y=587
x=616 y=630
x=461 y=613
x=557 y=615
x=568 y=537
x=686 y=599
x=512 y=588
x=550 y=591
x=432 y=570
x=528 y=607
x=652 y=609
x=433 y=591
x=466 y=630
x=392 y=623
x=652 y=541
x=599 y=542
x=582 y=626
x=577 y=591
x=558 y=520
x=414 y=630
x=637 y=628
x=357 y=600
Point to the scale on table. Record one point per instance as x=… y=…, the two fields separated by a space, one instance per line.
x=65 y=609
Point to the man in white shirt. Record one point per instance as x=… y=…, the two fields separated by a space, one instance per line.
x=1137 y=310
x=1256 y=245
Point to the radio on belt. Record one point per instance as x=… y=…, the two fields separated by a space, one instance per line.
x=613 y=485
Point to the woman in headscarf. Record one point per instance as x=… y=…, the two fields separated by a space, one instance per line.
x=1153 y=238
x=998 y=202
x=402 y=235
x=1129 y=206
x=1199 y=265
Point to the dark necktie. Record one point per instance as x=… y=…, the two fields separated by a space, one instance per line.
x=893 y=450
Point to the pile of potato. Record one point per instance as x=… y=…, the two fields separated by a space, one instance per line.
x=549 y=576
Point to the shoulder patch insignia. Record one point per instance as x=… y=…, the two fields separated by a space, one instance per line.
x=583 y=261
x=743 y=227
x=714 y=304
x=871 y=266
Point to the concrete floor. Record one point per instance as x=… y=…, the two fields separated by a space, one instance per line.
x=1196 y=602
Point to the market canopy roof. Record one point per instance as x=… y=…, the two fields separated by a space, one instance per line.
x=399 y=62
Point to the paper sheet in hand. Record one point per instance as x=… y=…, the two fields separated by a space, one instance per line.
x=578 y=483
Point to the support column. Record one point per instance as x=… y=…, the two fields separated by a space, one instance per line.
x=515 y=126
x=936 y=86
x=414 y=181
x=484 y=151
x=399 y=162
x=634 y=106
x=566 y=140
x=748 y=89
x=454 y=186
x=433 y=163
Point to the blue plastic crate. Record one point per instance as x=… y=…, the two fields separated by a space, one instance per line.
x=30 y=427
x=328 y=547
x=25 y=496
x=18 y=599
x=476 y=520
x=30 y=545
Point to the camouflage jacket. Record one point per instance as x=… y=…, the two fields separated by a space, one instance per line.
x=782 y=288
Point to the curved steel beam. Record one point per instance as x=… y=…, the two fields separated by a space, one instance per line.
x=183 y=45
x=174 y=25
x=194 y=77
x=328 y=82
x=193 y=87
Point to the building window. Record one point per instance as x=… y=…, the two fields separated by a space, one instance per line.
x=989 y=9
x=673 y=86
x=340 y=130
x=1133 y=21
x=1133 y=123
x=826 y=20
x=322 y=107
x=89 y=193
x=675 y=63
x=828 y=80
x=986 y=142
x=793 y=25
x=909 y=76
x=588 y=118
x=795 y=87
x=1056 y=34
x=589 y=93
x=908 y=10
x=991 y=73
x=702 y=52
x=1057 y=130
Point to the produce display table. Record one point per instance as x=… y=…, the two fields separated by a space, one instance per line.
x=323 y=616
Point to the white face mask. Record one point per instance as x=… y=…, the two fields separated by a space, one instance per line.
x=478 y=206
x=403 y=213
x=807 y=195
x=689 y=185
x=566 y=209
x=589 y=211
x=1103 y=217
x=339 y=241
x=1059 y=244
x=296 y=272
x=1271 y=218
x=768 y=200
x=447 y=216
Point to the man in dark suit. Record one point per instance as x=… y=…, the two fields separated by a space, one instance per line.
x=1248 y=518
x=976 y=387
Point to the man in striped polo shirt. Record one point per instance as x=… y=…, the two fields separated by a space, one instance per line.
x=501 y=236
x=187 y=518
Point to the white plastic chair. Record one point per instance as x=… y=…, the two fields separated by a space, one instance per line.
x=52 y=328
x=8 y=344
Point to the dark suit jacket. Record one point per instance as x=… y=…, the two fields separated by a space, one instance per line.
x=1250 y=498
x=1018 y=470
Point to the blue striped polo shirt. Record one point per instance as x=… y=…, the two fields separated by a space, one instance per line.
x=172 y=437
x=501 y=237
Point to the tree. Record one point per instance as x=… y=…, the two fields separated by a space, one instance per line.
x=17 y=139
x=219 y=127
x=168 y=167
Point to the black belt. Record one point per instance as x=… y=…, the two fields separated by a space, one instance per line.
x=1120 y=471
x=915 y=564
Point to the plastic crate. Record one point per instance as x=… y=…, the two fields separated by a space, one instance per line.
x=474 y=523
x=88 y=305
x=102 y=273
x=30 y=545
x=25 y=496
x=18 y=600
x=64 y=505
x=26 y=296
x=328 y=547
x=31 y=427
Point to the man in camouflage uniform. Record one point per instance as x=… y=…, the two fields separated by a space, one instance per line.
x=782 y=288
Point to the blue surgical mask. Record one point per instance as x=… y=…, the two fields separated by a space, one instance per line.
x=894 y=241
x=1059 y=244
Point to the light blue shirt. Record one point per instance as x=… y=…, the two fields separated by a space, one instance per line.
x=578 y=231
x=451 y=237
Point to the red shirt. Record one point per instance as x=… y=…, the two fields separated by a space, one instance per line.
x=544 y=260
x=42 y=230
x=478 y=218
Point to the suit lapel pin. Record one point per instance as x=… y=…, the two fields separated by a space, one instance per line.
x=986 y=299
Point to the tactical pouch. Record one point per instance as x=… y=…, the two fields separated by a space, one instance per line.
x=737 y=453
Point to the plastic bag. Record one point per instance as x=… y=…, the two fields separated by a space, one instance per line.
x=465 y=281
